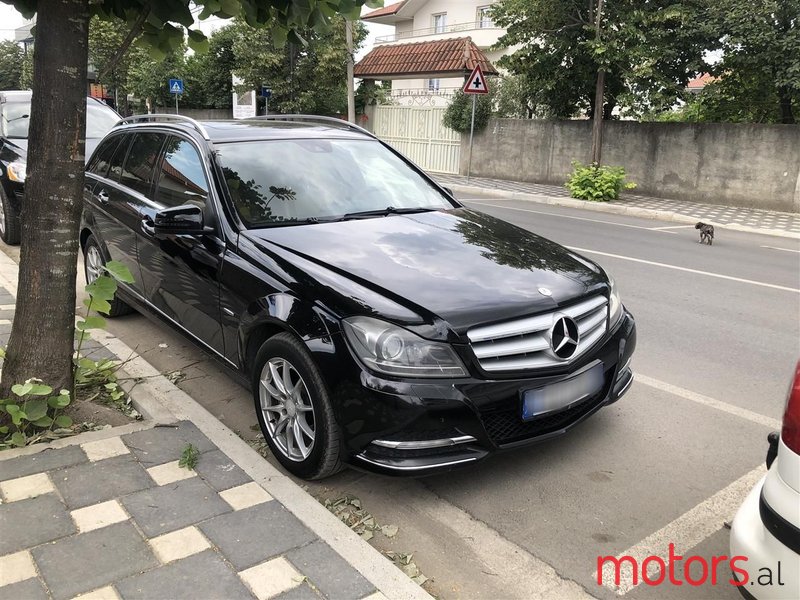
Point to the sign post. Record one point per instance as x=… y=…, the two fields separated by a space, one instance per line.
x=266 y=93
x=475 y=85
x=176 y=87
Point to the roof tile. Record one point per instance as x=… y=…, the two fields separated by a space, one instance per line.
x=456 y=56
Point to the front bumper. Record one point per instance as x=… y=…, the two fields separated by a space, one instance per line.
x=422 y=427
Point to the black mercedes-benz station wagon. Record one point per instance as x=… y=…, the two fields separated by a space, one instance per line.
x=378 y=322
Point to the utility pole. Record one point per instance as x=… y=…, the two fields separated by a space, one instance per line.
x=599 y=92
x=351 y=99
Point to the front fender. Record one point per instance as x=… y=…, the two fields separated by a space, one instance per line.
x=282 y=312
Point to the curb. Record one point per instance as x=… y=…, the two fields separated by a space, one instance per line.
x=161 y=402
x=631 y=211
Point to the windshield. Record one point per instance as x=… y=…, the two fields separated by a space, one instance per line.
x=99 y=119
x=286 y=181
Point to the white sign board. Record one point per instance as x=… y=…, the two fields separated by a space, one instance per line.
x=244 y=106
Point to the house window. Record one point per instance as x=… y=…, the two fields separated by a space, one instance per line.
x=484 y=19
x=433 y=85
x=439 y=22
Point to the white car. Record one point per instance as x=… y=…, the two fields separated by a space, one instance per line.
x=766 y=530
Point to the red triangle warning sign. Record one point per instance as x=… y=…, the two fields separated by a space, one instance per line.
x=476 y=84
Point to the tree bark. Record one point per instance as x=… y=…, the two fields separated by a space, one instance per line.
x=599 y=93
x=42 y=336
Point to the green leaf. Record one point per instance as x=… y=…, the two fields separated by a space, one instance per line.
x=2 y=352
x=58 y=401
x=101 y=306
x=43 y=422
x=92 y=322
x=36 y=409
x=63 y=421
x=3 y=429
x=18 y=439
x=39 y=389
x=103 y=288
x=198 y=41
x=115 y=268
x=22 y=389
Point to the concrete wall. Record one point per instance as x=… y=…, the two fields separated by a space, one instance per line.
x=734 y=164
x=207 y=114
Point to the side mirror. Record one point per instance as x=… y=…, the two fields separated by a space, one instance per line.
x=179 y=220
x=449 y=191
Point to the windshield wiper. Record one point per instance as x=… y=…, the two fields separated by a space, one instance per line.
x=389 y=210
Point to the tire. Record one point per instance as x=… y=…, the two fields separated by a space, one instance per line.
x=309 y=405
x=9 y=221
x=92 y=255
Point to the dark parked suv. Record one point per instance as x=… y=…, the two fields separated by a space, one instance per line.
x=377 y=321
x=15 y=111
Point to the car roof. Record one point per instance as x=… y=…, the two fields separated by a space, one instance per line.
x=15 y=95
x=243 y=130
x=247 y=130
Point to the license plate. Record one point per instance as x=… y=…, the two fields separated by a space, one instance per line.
x=562 y=394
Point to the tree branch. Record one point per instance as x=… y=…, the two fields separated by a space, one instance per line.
x=134 y=32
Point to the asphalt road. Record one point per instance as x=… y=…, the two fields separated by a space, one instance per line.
x=719 y=331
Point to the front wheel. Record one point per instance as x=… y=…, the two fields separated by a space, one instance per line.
x=294 y=410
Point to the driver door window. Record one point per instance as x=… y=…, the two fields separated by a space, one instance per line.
x=182 y=179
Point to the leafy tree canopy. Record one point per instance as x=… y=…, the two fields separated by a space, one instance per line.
x=649 y=51
x=164 y=23
x=11 y=58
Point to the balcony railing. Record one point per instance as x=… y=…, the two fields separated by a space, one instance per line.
x=426 y=91
x=456 y=27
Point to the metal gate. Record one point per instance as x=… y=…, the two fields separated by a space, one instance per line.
x=418 y=133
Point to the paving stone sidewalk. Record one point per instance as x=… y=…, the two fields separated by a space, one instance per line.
x=725 y=215
x=118 y=518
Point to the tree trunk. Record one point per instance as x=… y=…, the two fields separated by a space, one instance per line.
x=597 y=118
x=42 y=336
x=785 y=101
x=599 y=93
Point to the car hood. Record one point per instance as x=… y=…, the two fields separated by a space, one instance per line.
x=461 y=266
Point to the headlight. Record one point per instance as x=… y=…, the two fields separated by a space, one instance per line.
x=16 y=171
x=393 y=350
x=614 y=303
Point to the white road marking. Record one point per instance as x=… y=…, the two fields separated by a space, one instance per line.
x=688 y=530
x=742 y=413
x=687 y=270
x=543 y=212
x=673 y=227
x=784 y=249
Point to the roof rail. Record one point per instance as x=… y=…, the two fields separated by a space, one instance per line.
x=329 y=120
x=155 y=118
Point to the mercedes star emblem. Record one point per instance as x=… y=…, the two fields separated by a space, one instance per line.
x=564 y=337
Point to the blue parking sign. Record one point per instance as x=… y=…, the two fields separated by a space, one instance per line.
x=176 y=86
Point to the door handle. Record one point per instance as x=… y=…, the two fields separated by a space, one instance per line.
x=102 y=196
x=148 y=227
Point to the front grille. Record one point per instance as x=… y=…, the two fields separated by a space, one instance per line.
x=507 y=426
x=525 y=343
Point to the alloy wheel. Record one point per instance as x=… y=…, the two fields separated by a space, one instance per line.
x=2 y=218
x=94 y=264
x=287 y=409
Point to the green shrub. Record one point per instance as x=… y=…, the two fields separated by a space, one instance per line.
x=599 y=183
x=458 y=115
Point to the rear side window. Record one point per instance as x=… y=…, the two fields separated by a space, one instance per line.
x=103 y=156
x=118 y=158
x=137 y=173
x=182 y=179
